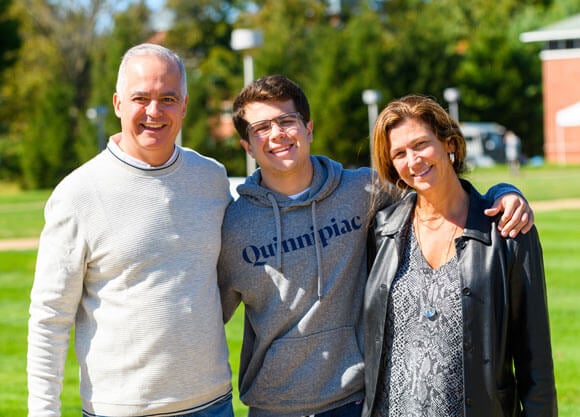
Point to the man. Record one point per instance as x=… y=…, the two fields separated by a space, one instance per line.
x=512 y=150
x=294 y=251
x=128 y=256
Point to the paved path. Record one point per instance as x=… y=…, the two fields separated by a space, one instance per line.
x=18 y=244
x=538 y=206
x=566 y=204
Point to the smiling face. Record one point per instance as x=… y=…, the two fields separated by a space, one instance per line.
x=283 y=154
x=151 y=108
x=419 y=157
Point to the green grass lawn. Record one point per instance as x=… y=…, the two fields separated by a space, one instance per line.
x=560 y=237
x=561 y=245
x=548 y=182
x=21 y=216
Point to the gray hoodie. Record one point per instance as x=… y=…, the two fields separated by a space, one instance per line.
x=300 y=268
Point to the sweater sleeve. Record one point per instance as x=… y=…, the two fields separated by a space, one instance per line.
x=55 y=295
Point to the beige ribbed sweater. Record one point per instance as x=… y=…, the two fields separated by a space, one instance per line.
x=128 y=256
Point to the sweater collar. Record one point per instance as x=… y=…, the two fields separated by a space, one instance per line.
x=114 y=148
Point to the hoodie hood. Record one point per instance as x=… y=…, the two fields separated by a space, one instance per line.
x=326 y=178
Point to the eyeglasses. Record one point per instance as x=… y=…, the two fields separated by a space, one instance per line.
x=263 y=128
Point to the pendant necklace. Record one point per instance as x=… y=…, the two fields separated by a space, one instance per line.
x=430 y=312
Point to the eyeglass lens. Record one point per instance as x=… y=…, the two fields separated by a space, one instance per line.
x=284 y=121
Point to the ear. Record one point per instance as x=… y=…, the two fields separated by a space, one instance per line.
x=450 y=145
x=184 y=110
x=117 y=105
x=310 y=130
x=247 y=147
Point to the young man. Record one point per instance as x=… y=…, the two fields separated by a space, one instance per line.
x=128 y=257
x=294 y=251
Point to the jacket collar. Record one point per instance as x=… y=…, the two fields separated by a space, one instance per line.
x=478 y=226
x=393 y=218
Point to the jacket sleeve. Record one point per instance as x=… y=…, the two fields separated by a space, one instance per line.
x=530 y=324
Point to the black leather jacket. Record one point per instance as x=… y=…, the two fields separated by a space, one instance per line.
x=508 y=369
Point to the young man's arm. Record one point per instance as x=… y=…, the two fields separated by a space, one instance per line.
x=517 y=214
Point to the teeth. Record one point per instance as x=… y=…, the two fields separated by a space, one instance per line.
x=153 y=125
x=280 y=149
x=418 y=174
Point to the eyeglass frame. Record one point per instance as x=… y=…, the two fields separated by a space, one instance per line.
x=296 y=114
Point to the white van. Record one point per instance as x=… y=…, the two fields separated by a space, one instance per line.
x=484 y=141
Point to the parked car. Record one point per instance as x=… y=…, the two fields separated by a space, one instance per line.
x=484 y=141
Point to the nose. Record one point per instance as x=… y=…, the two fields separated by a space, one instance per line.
x=276 y=130
x=153 y=108
x=413 y=157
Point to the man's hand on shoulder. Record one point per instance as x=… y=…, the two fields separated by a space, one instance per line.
x=517 y=214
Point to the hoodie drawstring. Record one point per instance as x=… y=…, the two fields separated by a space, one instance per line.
x=318 y=251
x=278 y=232
x=278 y=220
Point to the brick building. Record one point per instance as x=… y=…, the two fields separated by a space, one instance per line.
x=561 y=88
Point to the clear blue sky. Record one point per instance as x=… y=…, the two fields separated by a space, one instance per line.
x=156 y=4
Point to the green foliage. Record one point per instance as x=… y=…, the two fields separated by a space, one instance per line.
x=424 y=52
x=130 y=27
x=500 y=76
x=289 y=29
x=50 y=87
x=200 y=25
x=341 y=119
x=9 y=46
x=48 y=142
x=201 y=35
x=207 y=127
x=11 y=39
x=68 y=64
x=9 y=156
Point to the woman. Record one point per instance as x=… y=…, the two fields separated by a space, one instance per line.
x=458 y=326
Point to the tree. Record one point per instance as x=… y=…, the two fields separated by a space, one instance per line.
x=130 y=27
x=201 y=34
x=500 y=77
x=9 y=47
x=346 y=60
x=51 y=85
x=68 y=63
x=11 y=40
x=333 y=55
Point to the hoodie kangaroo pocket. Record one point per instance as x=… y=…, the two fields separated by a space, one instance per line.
x=309 y=371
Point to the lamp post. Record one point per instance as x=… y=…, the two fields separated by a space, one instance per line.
x=371 y=98
x=451 y=96
x=247 y=40
x=97 y=115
